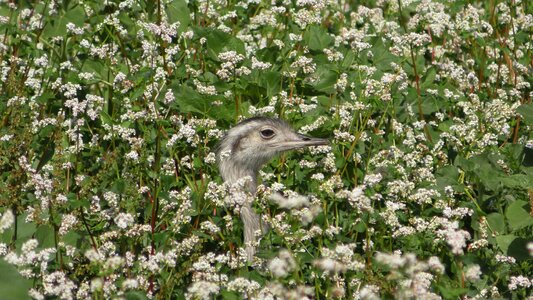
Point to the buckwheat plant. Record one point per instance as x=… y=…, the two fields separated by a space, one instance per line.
x=111 y=113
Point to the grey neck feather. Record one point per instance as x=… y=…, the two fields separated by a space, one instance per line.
x=231 y=173
x=232 y=170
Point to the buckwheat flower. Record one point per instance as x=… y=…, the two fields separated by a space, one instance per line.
x=473 y=273
x=210 y=158
x=456 y=239
x=189 y=133
x=96 y=284
x=305 y=63
x=35 y=22
x=516 y=282
x=202 y=290
x=120 y=77
x=333 y=55
x=503 y=13
x=329 y=265
x=505 y=259
x=243 y=286
x=400 y=188
x=259 y=65
x=435 y=265
x=372 y=179
x=6 y=138
x=143 y=189
x=332 y=183
x=186 y=162
x=124 y=220
x=357 y=199
x=71 y=28
x=204 y=89
x=332 y=231
x=293 y=201
x=3 y=249
x=209 y=227
x=29 y=245
x=111 y=198
x=278 y=43
x=132 y=155
x=530 y=248
x=58 y=284
x=393 y=260
x=304 y=17
x=130 y=284
x=41 y=61
x=169 y=97
x=329 y=162
x=68 y=221
x=7 y=220
x=341 y=83
x=318 y=176
x=34 y=294
x=282 y=265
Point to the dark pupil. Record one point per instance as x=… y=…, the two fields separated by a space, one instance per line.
x=267 y=133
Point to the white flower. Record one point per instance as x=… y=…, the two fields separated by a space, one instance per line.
x=293 y=201
x=202 y=290
x=124 y=220
x=518 y=281
x=473 y=273
x=7 y=220
x=67 y=223
x=281 y=265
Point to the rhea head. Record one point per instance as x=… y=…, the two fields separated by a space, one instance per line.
x=253 y=142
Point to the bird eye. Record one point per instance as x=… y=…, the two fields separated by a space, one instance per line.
x=267 y=133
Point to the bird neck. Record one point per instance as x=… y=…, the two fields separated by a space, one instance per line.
x=232 y=173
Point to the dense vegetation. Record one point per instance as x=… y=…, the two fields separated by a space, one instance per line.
x=111 y=112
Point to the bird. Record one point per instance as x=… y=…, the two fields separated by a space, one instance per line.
x=245 y=149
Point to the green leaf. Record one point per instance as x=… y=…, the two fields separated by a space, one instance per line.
x=503 y=241
x=136 y=295
x=496 y=222
x=517 y=181
x=517 y=216
x=449 y=176
x=317 y=38
x=119 y=186
x=58 y=26
x=106 y=119
x=271 y=81
x=429 y=79
x=47 y=155
x=46 y=236
x=219 y=41
x=526 y=110
x=189 y=100
x=429 y=106
x=178 y=11
x=229 y=295
x=12 y=285
x=327 y=79
x=72 y=238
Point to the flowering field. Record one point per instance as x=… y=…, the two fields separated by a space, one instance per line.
x=111 y=113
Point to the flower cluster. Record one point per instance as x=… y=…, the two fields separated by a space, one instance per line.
x=111 y=119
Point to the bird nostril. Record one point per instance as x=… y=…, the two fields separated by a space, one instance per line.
x=306 y=139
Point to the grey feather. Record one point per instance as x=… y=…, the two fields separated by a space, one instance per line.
x=244 y=150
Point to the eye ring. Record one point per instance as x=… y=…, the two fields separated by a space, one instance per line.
x=267 y=133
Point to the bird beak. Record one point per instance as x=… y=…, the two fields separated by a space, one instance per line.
x=300 y=141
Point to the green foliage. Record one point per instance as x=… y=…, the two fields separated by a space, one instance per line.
x=111 y=113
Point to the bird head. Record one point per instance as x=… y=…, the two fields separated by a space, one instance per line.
x=253 y=142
